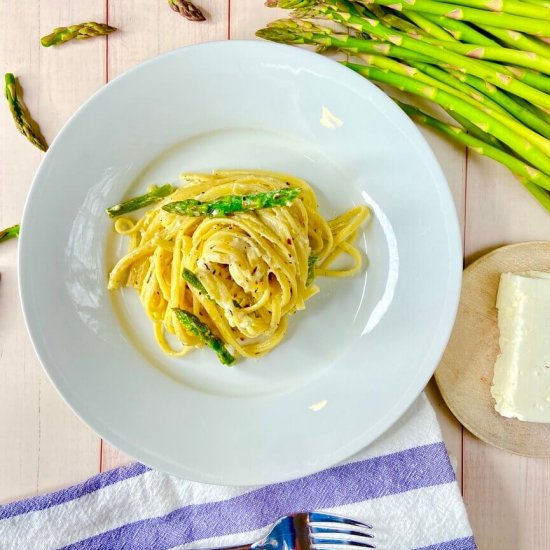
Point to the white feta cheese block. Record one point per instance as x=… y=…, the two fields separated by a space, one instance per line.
x=521 y=381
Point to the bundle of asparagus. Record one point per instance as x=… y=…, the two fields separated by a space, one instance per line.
x=485 y=62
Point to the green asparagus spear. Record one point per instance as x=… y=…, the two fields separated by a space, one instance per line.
x=293 y=32
x=155 y=195
x=311 y=268
x=519 y=168
x=482 y=69
x=285 y=29
x=187 y=9
x=193 y=280
x=513 y=7
x=544 y=3
x=203 y=332
x=234 y=203
x=460 y=30
x=429 y=26
x=481 y=119
x=518 y=40
x=538 y=27
x=496 y=53
x=9 y=233
x=475 y=131
x=23 y=120
x=82 y=31
x=511 y=104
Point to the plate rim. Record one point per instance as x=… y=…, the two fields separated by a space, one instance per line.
x=449 y=308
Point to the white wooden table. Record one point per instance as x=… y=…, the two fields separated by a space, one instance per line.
x=43 y=445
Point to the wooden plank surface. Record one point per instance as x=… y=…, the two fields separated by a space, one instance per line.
x=507 y=496
x=36 y=427
x=43 y=446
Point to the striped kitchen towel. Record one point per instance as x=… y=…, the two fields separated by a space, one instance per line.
x=403 y=485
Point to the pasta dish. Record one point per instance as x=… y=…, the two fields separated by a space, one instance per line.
x=224 y=259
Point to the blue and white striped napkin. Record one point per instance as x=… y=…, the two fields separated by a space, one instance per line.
x=403 y=485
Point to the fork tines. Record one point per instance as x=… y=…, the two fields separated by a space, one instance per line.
x=330 y=532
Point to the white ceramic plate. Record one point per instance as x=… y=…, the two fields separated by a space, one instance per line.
x=351 y=363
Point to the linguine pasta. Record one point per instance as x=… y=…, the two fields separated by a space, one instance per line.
x=242 y=274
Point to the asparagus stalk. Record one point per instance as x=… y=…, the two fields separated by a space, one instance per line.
x=9 y=233
x=481 y=69
x=193 y=280
x=23 y=120
x=459 y=30
x=518 y=40
x=528 y=117
x=429 y=27
x=391 y=19
x=231 y=204
x=531 y=78
x=473 y=130
x=478 y=100
x=537 y=27
x=494 y=99
x=498 y=105
x=463 y=32
x=204 y=334
x=155 y=195
x=540 y=194
x=517 y=167
x=545 y=3
x=341 y=41
x=473 y=95
x=484 y=121
x=513 y=7
x=496 y=53
x=533 y=108
x=82 y=31
x=187 y=9
x=467 y=87
x=311 y=261
x=437 y=78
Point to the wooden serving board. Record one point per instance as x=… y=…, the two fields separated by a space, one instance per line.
x=465 y=374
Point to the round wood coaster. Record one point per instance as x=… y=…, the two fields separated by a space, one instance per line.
x=465 y=374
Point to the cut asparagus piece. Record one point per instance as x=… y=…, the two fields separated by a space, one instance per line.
x=82 y=31
x=234 y=203
x=187 y=9
x=202 y=331
x=311 y=269
x=9 y=233
x=136 y=203
x=23 y=120
x=193 y=280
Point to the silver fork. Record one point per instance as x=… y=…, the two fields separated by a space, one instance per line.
x=314 y=531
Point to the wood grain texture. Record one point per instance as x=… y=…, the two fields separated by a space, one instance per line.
x=499 y=210
x=506 y=495
x=465 y=374
x=44 y=446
